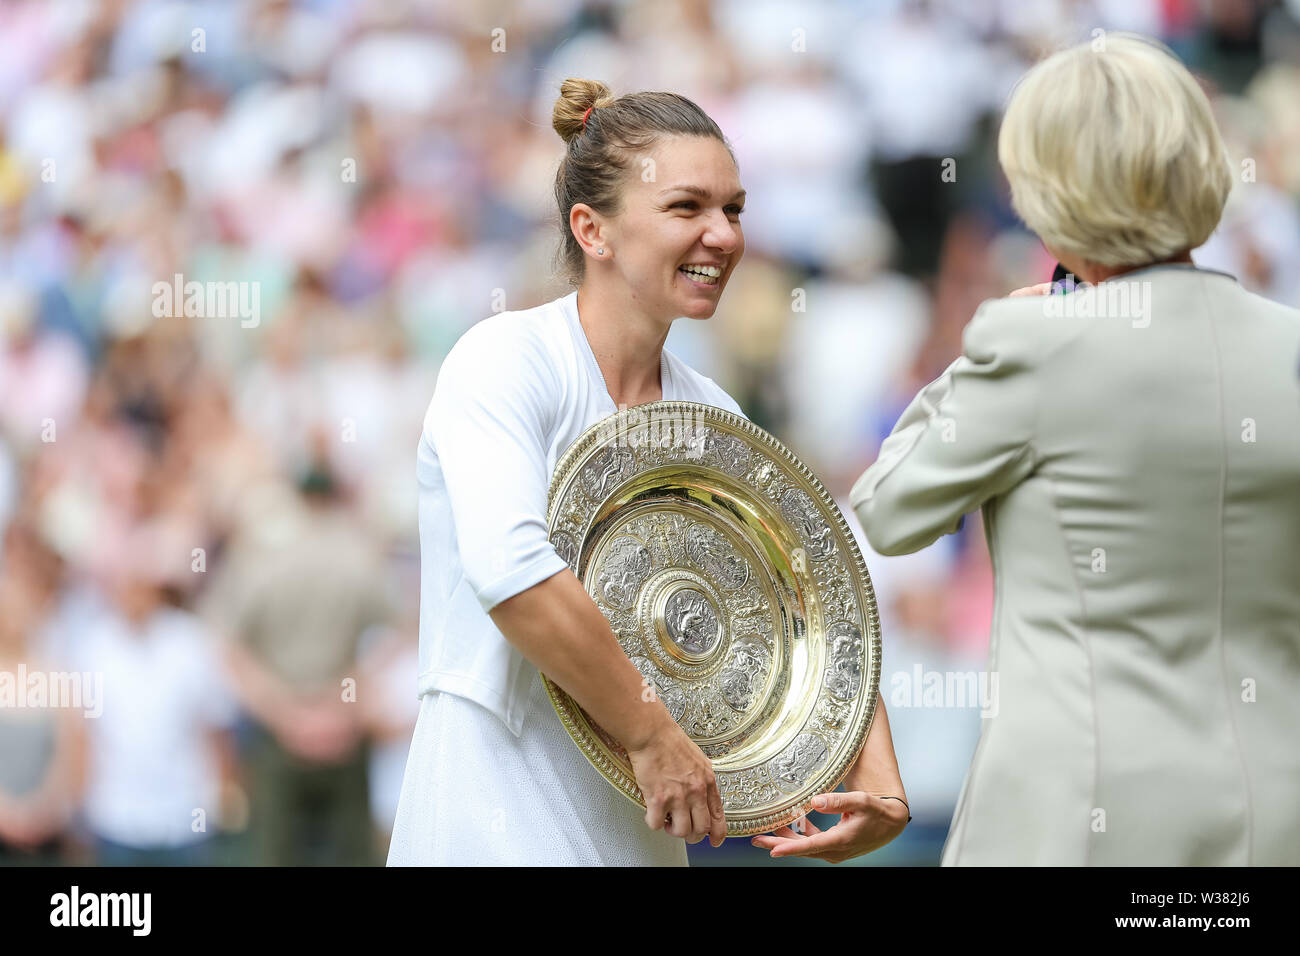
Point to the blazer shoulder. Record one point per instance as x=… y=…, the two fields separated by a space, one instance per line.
x=1287 y=315
x=1024 y=330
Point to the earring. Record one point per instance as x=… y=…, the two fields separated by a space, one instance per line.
x=600 y=252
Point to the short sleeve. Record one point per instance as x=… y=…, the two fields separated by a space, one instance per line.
x=965 y=438
x=492 y=404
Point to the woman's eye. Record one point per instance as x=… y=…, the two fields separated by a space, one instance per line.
x=690 y=204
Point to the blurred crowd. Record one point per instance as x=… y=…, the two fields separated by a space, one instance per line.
x=212 y=511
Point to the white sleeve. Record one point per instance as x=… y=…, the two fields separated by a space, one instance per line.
x=487 y=424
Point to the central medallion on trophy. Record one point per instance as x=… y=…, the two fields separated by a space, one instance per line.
x=691 y=621
x=686 y=622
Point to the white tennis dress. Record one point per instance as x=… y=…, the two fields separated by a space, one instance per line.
x=492 y=776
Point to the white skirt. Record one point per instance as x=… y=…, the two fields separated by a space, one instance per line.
x=474 y=794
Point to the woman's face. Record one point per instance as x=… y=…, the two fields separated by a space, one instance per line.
x=681 y=208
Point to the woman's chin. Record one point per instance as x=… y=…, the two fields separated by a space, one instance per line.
x=697 y=301
x=697 y=308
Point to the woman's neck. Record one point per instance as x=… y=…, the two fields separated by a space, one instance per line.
x=627 y=344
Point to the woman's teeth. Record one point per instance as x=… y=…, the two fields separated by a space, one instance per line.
x=705 y=275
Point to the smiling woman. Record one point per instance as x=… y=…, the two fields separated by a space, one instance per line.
x=649 y=180
x=648 y=191
x=649 y=202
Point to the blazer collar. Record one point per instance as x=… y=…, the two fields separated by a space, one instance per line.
x=1180 y=266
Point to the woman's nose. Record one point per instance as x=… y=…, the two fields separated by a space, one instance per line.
x=722 y=234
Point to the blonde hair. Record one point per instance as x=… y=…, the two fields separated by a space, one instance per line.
x=1113 y=154
x=600 y=150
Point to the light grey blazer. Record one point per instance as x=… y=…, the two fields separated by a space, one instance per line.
x=1139 y=480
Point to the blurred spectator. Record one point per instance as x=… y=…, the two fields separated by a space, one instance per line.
x=42 y=375
x=295 y=612
x=918 y=54
x=160 y=750
x=39 y=742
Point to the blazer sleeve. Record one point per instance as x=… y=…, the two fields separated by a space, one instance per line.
x=487 y=423
x=966 y=437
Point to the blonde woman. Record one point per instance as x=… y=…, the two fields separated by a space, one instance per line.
x=1135 y=449
x=492 y=776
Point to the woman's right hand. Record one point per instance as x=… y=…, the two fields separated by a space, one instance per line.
x=677 y=782
x=558 y=627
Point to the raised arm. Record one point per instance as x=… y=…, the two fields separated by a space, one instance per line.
x=965 y=437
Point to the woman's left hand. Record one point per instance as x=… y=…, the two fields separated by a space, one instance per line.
x=866 y=823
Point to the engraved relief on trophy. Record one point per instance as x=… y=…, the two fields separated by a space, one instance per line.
x=625 y=567
x=743 y=789
x=730 y=452
x=565 y=547
x=799 y=509
x=606 y=471
x=796 y=763
x=710 y=716
x=743 y=675
x=673 y=697
x=712 y=554
x=692 y=621
x=844 y=671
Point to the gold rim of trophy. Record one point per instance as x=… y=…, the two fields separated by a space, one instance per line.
x=776 y=678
